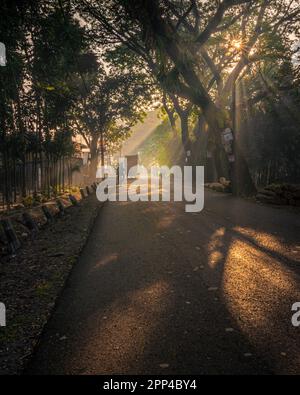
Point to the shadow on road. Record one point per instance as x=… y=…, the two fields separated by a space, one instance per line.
x=160 y=291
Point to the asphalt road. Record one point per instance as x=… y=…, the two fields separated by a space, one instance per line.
x=161 y=291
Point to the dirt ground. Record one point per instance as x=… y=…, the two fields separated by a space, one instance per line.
x=31 y=281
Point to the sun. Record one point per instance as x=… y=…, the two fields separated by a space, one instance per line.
x=237 y=44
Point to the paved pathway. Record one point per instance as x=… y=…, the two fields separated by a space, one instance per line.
x=160 y=291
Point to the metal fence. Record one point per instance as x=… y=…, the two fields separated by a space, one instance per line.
x=36 y=177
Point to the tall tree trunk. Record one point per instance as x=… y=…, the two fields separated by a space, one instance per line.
x=63 y=173
x=217 y=158
x=102 y=148
x=241 y=179
x=22 y=134
x=94 y=157
x=239 y=174
x=200 y=127
x=184 y=123
x=6 y=179
x=23 y=178
x=170 y=112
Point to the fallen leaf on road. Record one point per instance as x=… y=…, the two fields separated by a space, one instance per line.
x=164 y=365
x=212 y=288
x=63 y=338
x=229 y=330
x=198 y=248
x=248 y=354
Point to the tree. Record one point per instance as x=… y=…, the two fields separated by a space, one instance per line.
x=168 y=108
x=48 y=56
x=177 y=41
x=116 y=101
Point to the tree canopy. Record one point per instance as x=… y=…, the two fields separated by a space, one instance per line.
x=94 y=69
x=201 y=50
